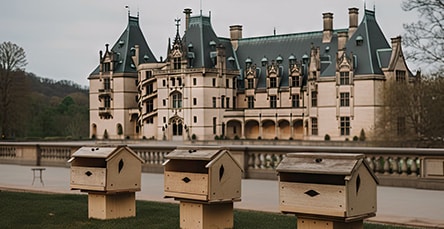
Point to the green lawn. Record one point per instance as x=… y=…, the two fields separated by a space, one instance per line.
x=29 y=210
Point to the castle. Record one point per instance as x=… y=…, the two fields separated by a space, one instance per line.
x=300 y=86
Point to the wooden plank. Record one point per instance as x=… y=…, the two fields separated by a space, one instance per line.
x=317 y=165
x=325 y=200
x=185 y=183
x=191 y=154
x=87 y=177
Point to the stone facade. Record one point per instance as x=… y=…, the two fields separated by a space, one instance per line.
x=292 y=86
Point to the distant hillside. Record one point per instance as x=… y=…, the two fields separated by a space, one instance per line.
x=50 y=87
x=47 y=109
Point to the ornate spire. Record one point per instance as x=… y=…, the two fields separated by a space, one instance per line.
x=177 y=39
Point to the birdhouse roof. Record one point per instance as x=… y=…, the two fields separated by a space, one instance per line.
x=101 y=152
x=323 y=163
x=210 y=155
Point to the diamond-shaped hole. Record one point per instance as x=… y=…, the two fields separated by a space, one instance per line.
x=312 y=193
x=186 y=179
x=88 y=173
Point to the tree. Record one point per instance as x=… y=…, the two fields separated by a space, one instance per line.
x=425 y=38
x=12 y=62
x=412 y=110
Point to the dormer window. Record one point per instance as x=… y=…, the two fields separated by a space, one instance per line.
x=359 y=40
x=279 y=59
x=344 y=78
x=248 y=62
x=305 y=58
x=177 y=63
x=264 y=61
x=292 y=60
x=106 y=67
x=213 y=45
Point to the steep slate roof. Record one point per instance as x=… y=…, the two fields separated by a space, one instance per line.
x=123 y=47
x=270 y=47
x=374 y=46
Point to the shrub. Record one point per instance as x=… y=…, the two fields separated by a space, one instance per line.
x=327 y=137
x=259 y=138
x=105 y=134
x=362 y=135
x=216 y=137
x=193 y=137
x=355 y=138
x=236 y=137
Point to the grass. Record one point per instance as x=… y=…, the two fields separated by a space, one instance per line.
x=30 y=210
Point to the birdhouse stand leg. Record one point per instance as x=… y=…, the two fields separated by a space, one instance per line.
x=111 y=206
x=206 y=215
x=306 y=223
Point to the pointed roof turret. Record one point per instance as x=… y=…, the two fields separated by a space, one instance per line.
x=124 y=48
x=365 y=44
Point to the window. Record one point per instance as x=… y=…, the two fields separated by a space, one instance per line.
x=234 y=102
x=164 y=83
x=195 y=119
x=214 y=82
x=149 y=106
x=250 y=83
x=214 y=102
x=106 y=67
x=214 y=125
x=148 y=74
x=149 y=120
x=295 y=81
x=194 y=101
x=194 y=81
x=164 y=119
x=228 y=102
x=295 y=101
x=344 y=78
x=177 y=100
x=250 y=102
x=273 y=82
x=345 y=99
x=179 y=81
x=234 y=83
x=107 y=102
x=177 y=64
x=345 y=126
x=173 y=82
x=149 y=89
x=164 y=102
x=314 y=126
x=400 y=126
x=400 y=76
x=314 y=98
x=222 y=101
x=273 y=101
x=227 y=83
x=107 y=83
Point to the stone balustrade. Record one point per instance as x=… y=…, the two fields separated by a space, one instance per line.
x=401 y=167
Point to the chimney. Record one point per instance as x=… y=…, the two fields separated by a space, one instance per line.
x=342 y=39
x=328 y=27
x=353 y=20
x=235 y=35
x=187 y=13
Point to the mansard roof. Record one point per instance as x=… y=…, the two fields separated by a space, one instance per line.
x=124 y=48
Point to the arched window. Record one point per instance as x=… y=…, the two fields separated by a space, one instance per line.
x=119 y=129
x=177 y=129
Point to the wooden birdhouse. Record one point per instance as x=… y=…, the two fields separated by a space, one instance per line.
x=203 y=174
x=111 y=176
x=340 y=186
x=206 y=182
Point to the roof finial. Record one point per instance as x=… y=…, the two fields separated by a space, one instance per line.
x=128 y=8
x=201 y=7
x=177 y=20
x=365 y=5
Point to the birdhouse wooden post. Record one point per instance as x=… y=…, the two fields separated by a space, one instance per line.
x=111 y=176
x=206 y=182
x=327 y=190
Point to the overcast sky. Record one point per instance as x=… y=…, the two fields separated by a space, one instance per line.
x=62 y=39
